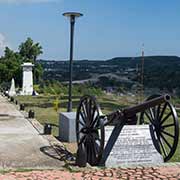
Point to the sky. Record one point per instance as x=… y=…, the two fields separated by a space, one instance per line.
x=109 y=28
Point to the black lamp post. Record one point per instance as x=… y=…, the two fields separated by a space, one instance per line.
x=72 y=16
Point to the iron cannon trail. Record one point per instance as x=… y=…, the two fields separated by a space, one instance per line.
x=157 y=111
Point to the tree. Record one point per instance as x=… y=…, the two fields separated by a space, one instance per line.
x=38 y=72
x=8 y=53
x=30 y=50
x=10 y=66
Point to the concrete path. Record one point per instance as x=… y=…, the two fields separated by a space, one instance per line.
x=21 y=145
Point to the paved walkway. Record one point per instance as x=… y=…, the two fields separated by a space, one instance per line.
x=140 y=173
x=21 y=145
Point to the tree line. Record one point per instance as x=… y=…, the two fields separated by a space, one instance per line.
x=11 y=61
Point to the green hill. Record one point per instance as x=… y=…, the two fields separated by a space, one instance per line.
x=162 y=72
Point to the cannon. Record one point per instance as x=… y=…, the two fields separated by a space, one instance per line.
x=157 y=111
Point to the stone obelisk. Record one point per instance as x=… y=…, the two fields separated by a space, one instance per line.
x=12 y=90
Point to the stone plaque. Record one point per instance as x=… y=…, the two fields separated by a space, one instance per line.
x=133 y=146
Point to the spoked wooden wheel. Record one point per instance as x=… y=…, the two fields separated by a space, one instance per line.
x=165 y=128
x=90 y=129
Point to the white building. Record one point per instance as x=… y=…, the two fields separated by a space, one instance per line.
x=27 y=87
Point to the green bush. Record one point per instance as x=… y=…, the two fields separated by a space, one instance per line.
x=58 y=89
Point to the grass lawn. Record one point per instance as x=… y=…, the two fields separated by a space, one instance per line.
x=45 y=111
x=43 y=107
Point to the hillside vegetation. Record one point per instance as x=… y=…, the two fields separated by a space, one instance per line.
x=161 y=72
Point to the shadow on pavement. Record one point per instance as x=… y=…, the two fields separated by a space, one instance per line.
x=57 y=152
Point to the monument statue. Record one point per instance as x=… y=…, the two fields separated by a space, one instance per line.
x=27 y=87
x=12 y=91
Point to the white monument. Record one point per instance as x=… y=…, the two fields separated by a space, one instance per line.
x=12 y=90
x=27 y=88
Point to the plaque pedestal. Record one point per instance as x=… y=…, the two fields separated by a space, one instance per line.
x=134 y=146
x=67 y=126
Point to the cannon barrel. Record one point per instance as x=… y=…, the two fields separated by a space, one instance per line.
x=129 y=112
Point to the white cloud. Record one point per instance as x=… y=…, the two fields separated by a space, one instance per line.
x=3 y=43
x=27 y=1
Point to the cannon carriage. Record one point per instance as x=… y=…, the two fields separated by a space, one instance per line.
x=157 y=111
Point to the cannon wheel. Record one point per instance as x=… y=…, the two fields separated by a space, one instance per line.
x=165 y=127
x=90 y=129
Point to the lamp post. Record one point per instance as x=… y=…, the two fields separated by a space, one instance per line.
x=72 y=16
